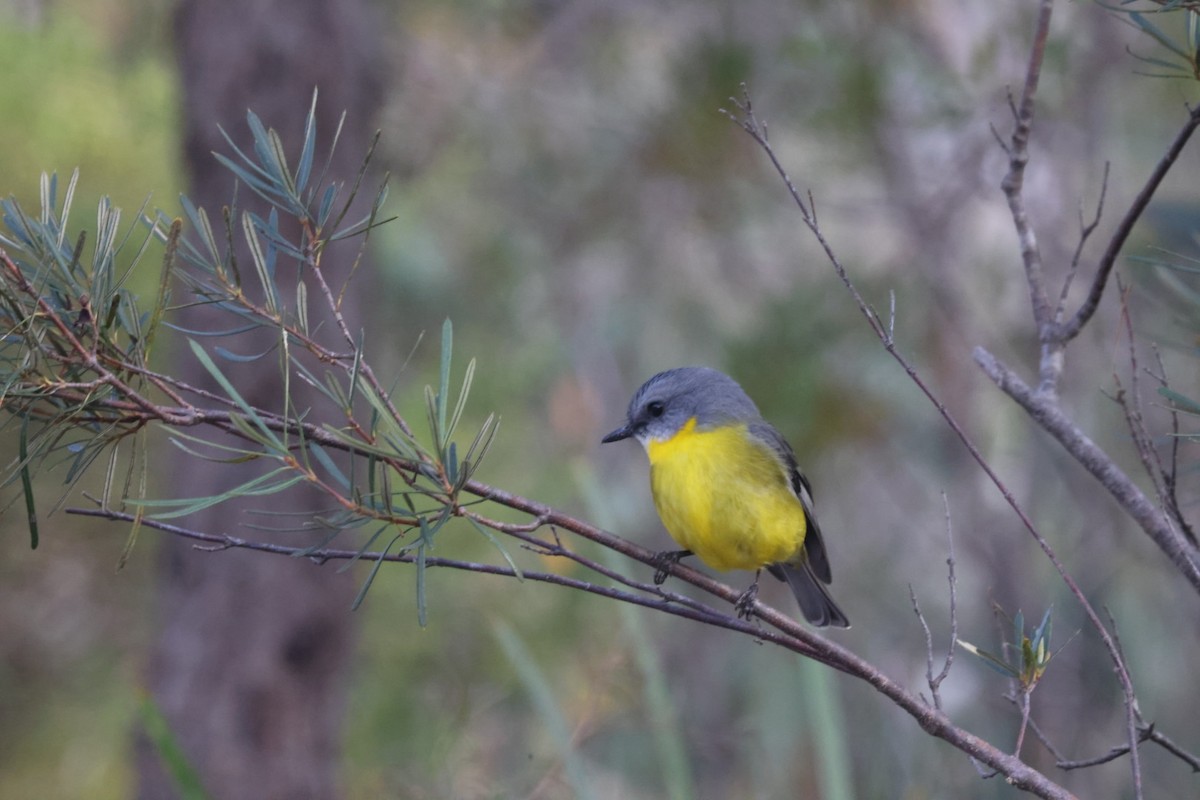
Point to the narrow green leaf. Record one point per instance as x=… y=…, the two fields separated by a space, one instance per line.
x=362 y=170
x=488 y=434
x=109 y=474
x=270 y=296
x=326 y=205
x=431 y=416
x=362 y=592
x=68 y=199
x=302 y=306
x=237 y=358
x=1153 y=30
x=329 y=466
x=27 y=483
x=279 y=163
x=461 y=403
x=310 y=142
x=240 y=454
x=233 y=393
x=422 y=610
x=503 y=553
x=254 y=434
x=1043 y=629
x=366 y=547
x=263 y=188
x=444 y=377
x=250 y=162
x=990 y=660
x=289 y=409
x=138 y=461
x=262 y=485
x=1181 y=402
x=355 y=366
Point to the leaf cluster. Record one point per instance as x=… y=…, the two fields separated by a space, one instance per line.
x=76 y=375
x=1029 y=657
x=1181 y=58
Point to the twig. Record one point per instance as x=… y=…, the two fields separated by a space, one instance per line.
x=1085 y=232
x=1171 y=476
x=935 y=681
x=1070 y=329
x=1014 y=181
x=1131 y=407
x=1024 y=722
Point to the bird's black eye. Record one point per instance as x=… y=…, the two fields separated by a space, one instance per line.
x=654 y=408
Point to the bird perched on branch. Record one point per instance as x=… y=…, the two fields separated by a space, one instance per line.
x=727 y=487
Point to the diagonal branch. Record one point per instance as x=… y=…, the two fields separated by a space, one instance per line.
x=1045 y=411
x=1067 y=331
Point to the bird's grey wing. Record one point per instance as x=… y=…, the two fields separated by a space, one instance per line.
x=814 y=544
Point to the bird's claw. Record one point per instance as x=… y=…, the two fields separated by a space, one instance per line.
x=744 y=605
x=664 y=561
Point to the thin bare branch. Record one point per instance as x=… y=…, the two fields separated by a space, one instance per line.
x=935 y=681
x=1085 y=232
x=1171 y=475
x=1014 y=180
x=1070 y=329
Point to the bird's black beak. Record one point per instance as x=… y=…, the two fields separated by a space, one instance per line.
x=624 y=432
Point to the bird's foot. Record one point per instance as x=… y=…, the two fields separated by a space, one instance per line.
x=744 y=605
x=664 y=561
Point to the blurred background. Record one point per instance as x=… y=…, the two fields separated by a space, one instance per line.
x=568 y=193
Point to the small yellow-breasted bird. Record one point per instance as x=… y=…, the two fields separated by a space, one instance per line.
x=727 y=487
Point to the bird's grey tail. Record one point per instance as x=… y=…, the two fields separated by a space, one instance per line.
x=816 y=604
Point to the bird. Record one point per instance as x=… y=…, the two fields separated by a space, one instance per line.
x=727 y=487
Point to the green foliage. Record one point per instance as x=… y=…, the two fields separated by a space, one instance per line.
x=1032 y=653
x=75 y=362
x=62 y=316
x=1182 y=56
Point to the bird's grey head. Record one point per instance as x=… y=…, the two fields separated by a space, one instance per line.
x=667 y=401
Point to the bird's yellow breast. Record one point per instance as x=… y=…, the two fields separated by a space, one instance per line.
x=726 y=496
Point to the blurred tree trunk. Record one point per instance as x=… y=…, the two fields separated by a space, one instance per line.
x=250 y=666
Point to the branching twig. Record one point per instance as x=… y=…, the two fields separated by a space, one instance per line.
x=1014 y=181
x=1131 y=405
x=935 y=681
x=1046 y=412
x=1171 y=475
x=1085 y=232
x=1071 y=328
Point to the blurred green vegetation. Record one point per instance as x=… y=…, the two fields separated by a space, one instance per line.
x=569 y=195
